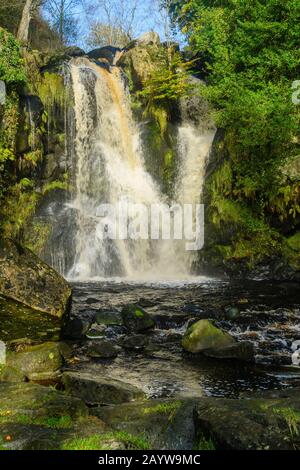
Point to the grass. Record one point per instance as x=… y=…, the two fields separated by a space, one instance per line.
x=291 y=417
x=205 y=444
x=55 y=422
x=102 y=442
x=164 y=408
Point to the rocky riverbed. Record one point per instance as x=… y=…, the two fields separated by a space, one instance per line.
x=123 y=374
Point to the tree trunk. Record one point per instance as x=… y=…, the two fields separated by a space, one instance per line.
x=23 y=29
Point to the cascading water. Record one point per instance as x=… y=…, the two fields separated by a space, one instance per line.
x=110 y=169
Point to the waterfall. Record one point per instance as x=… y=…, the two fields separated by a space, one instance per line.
x=110 y=168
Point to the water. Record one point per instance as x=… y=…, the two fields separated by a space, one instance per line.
x=109 y=168
x=162 y=369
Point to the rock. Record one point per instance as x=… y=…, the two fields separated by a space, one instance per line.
x=76 y=329
x=74 y=51
x=97 y=390
x=149 y=39
x=108 y=318
x=35 y=108
x=135 y=342
x=231 y=313
x=40 y=362
x=37 y=401
x=203 y=335
x=253 y=424
x=96 y=333
x=164 y=424
x=102 y=350
x=243 y=351
x=10 y=374
x=20 y=324
x=135 y=318
x=106 y=53
x=27 y=279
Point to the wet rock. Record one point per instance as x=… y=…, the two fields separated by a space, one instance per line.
x=135 y=342
x=97 y=390
x=203 y=335
x=108 y=318
x=102 y=350
x=243 y=351
x=231 y=313
x=74 y=51
x=40 y=362
x=135 y=318
x=76 y=328
x=96 y=333
x=164 y=424
x=27 y=279
x=106 y=54
x=253 y=424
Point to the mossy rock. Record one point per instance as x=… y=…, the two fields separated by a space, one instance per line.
x=135 y=318
x=203 y=335
x=27 y=279
x=250 y=424
x=39 y=362
x=99 y=391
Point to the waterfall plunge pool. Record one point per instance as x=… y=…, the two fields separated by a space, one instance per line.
x=269 y=316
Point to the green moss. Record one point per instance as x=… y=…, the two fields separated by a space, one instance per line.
x=36 y=236
x=51 y=90
x=294 y=242
x=138 y=313
x=55 y=422
x=56 y=184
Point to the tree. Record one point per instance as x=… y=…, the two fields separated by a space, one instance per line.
x=61 y=16
x=23 y=29
x=102 y=34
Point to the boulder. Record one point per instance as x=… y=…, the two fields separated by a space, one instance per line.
x=74 y=51
x=243 y=351
x=106 y=54
x=103 y=350
x=231 y=313
x=76 y=328
x=27 y=279
x=108 y=318
x=203 y=335
x=163 y=423
x=95 y=390
x=252 y=424
x=148 y=39
x=38 y=401
x=39 y=362
x=135 y=342
x=10 y=374
x=135 y=318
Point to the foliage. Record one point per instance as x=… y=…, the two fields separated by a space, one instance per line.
x=106 y=442
x=12 y=70
x=169 y=79
x=205 y=444
x=249 y=54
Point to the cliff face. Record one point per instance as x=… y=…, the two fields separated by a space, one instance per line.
x=37 y=161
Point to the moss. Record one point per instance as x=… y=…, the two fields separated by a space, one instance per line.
x=51 y=90
x=138 y=313
x=294 y=242
x=36 y=236
x=53 y=422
